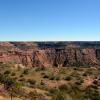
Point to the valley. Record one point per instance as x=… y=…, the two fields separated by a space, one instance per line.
x=49 y=71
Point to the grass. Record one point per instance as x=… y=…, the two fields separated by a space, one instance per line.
x=65 y=84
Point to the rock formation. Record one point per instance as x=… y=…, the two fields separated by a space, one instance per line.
x=50 y=54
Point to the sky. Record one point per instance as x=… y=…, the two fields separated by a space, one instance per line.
x=49 y=20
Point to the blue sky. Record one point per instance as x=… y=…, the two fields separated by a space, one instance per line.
x=49 y=20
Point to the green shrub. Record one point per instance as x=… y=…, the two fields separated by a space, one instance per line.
x=46 y=76
x=88 y=72
x=22 y=80
x=94 y=86
x=81 y=80
x=31 y=81
x=26 y=71
x=58 y=94
x=13 y=74
x=42 y=83
x=52 y=78
x=57 y=78
x=75 y=68
x=32 y=96
x=95 y=82
x=7 y=72
x=85 y=74
x=63 y=87
x=21 y=75
x=78 y=83
x=62 y=71
x=43 y=73
x=40 y=69
x=68 y=78
x=15 y=78
x=78 y=64
x=92 y=94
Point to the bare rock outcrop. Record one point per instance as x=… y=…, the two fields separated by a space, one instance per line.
x=50 y=55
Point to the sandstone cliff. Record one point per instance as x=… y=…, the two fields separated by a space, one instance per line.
x=50 y=54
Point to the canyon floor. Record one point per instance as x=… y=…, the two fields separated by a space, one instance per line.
x=40 y=83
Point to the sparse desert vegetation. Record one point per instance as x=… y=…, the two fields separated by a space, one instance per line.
x=39 y=83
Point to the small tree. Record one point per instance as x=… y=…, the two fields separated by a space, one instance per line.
x=9 y=84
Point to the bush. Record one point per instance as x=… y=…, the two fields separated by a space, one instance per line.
x=94 y=86
x=88 y=72
x=78 y=64
x=42 y=73
x=52 y=78
x=92 y=94
x=22 y=80
x=63 y=87
x=13 y=74
x=62 y=71
x=57 y=78
x=7 y=72
x=26 y=71
x=42 y=83
x=15 y=78
x=21 y=75
x=68 y=78
x=7 y=81
x=75 y=68
x=31 y=81
x=58 y=94
x=45 y=76
x=78 y=83
x=40 y=69
x=81 y=80
x=95 y=82
x=53 y=90
x=32 y=96
x=84 y=74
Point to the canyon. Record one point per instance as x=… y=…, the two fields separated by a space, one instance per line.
x=50 y=54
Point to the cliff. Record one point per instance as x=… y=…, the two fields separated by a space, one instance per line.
x=50 y=54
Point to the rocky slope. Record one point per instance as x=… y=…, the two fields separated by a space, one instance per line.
x=50 y=54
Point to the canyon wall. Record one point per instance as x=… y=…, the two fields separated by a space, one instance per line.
x=36 y=55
